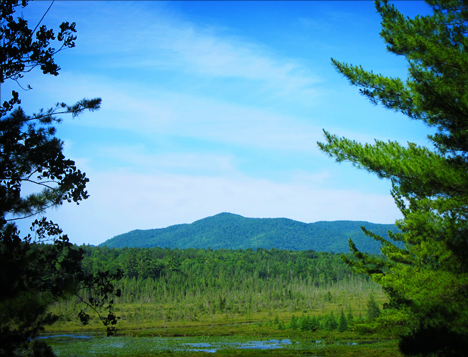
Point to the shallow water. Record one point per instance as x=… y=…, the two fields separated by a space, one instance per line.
x=65 y=336
x=215 y=346
x=97 y=345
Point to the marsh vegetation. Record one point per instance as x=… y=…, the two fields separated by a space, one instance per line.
x=205 y=301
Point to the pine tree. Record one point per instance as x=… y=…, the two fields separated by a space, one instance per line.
x=305 y=323
x=293 y=323
x=350 y=316
x=34 y=275
x=276 y=320
x=281 y=325
x=330 y=322
x=314 y=323
x=427 y=280
x=342 y=322
x=373 y=311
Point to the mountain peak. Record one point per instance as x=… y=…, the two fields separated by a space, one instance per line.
x=232 y=231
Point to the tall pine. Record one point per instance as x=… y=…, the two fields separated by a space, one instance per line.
x=427 y=280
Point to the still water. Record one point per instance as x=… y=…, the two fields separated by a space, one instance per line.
x=97 y=345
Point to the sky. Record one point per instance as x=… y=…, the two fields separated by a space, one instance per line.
x=211 y=107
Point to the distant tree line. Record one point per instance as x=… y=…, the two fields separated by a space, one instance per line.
x=198 y=284
x=204 y=267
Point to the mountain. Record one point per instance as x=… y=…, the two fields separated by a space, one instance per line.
x=232 y=231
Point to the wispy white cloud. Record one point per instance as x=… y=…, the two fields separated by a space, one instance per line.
x=132 y=37
x=155 y=112
x=140 y=160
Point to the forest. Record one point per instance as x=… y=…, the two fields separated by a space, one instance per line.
x=164 y=285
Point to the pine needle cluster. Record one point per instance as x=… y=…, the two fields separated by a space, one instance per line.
x=427 y=279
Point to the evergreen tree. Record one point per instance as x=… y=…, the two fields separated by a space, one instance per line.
x=373 y=311
x=305 y=323
x=360 y=318
x=33 y=275
x=342 y=322
x=314 y=323
x=276 y=320
x=427 y=280
x=293 y=323
x=330 y=322
x=281 y=325
x=350 y=316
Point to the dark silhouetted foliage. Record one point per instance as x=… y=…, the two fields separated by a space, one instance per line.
x=43 y=267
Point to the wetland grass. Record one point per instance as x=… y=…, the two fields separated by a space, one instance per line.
x=162 y=329
x=248 y=346
x=203 y=340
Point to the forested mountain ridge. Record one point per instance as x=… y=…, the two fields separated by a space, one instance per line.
x=231 y=231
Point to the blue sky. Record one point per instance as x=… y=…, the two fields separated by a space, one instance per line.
x=213 y=107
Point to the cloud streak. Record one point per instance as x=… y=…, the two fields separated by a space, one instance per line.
x=154 y=39
x=154 y=112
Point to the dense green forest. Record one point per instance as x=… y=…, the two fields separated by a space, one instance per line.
x=161 y=286
x=182 y=273
x=231 y=231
